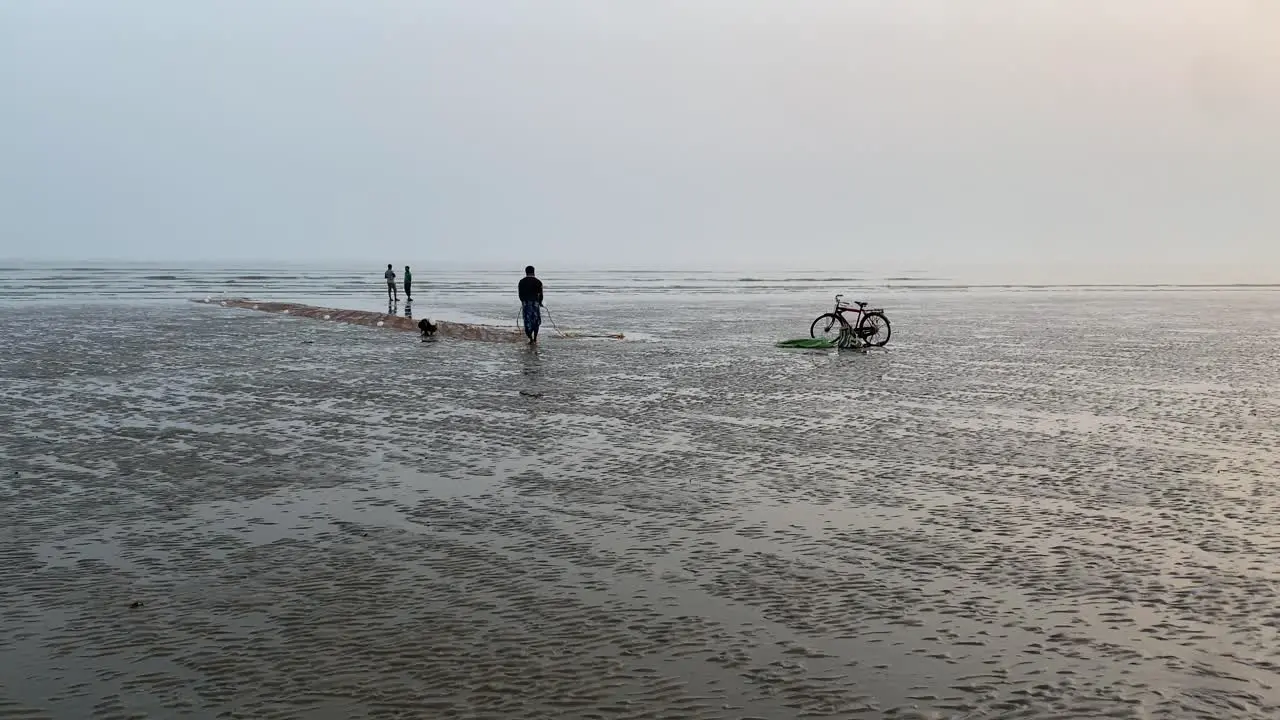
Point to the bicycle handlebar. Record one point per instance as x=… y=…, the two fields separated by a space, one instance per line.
x=845 y=306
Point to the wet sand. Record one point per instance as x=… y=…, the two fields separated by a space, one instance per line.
x=1028 y=506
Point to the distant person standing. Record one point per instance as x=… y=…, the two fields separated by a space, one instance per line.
x=530 y=290
x=408 y=283
x=390 y=275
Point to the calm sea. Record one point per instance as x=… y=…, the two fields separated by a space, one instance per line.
x=345 y=285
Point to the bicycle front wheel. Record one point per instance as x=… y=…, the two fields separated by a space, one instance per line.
x=874 y=329
x=826 y=326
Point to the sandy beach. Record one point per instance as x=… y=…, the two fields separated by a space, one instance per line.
x=1030 y=505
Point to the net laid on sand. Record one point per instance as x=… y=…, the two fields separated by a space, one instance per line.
x=462 y=331
x=844 y=341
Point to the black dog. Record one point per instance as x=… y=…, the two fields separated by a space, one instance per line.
x=427 y=329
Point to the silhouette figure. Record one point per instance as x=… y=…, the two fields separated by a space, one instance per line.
x=390 y=275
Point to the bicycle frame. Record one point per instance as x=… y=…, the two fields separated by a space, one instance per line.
x=857 y=310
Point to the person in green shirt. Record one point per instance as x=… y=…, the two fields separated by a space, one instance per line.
x=408 y=282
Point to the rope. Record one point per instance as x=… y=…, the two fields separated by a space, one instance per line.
x=550 y=320
x=560 y=333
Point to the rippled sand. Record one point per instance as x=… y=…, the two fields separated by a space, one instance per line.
x=1028 y=506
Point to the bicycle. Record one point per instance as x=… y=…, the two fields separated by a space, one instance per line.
x=871 y=326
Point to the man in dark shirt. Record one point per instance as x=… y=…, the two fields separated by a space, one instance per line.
x=408 y=285
x=531 y=303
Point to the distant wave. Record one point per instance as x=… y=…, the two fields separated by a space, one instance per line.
x=1122 y=286
x=1096 y=286
x=43 y=281
x=800 y=279
x=120 y=270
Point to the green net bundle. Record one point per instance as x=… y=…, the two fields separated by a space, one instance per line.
x=808 y=343
x=845 y=341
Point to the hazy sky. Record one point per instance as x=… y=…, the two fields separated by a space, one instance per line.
x=641 y=131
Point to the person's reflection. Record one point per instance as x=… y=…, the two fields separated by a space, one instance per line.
x=408 y=309
x=531 y=390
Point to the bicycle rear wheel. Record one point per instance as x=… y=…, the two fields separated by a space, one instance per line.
x=826 y=325
x=874 y=329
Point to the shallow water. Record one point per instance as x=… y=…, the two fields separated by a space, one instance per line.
x=1032 y=504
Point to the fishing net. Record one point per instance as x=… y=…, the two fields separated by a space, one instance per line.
x=844 y=341
x=807 y=343
x=549 y=321
x=462 y=331
x=465 y=331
